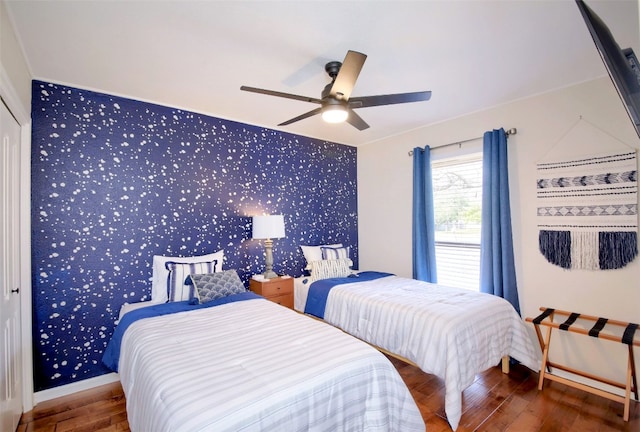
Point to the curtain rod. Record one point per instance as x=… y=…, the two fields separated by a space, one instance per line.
x=511 y=131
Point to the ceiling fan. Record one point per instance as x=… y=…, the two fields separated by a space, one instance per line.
x=335 y=102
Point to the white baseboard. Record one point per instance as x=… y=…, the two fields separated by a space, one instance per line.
x=75 y=387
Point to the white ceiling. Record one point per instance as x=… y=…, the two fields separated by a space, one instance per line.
x=195 y=55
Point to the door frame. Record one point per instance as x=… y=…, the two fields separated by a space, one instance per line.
x=11 y=99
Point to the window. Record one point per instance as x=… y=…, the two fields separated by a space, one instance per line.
x=457 y=199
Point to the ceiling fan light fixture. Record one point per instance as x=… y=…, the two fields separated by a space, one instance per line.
x=334 y=114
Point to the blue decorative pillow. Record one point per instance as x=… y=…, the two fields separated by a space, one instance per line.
x=177 y=285
x=332 y=253
x=213 y=286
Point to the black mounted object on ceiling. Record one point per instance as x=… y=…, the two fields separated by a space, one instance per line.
x=617 y=61
x=336 y=103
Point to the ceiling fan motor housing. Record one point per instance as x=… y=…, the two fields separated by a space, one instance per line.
x=333 y=103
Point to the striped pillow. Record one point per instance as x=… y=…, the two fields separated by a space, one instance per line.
x=179 y=288
x=314 y=253
x=331 y=268
x=160 y=274
x=330 y=253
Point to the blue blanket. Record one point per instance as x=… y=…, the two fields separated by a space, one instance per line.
x=111 y=356
x=319 y=290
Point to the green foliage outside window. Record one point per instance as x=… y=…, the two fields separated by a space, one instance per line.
x=457 y=195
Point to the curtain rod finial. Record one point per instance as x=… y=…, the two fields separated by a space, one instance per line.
x=512 y=131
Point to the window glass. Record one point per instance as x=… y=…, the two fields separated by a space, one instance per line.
x=457 y=199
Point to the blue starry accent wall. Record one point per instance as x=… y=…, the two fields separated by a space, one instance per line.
x=116 y=181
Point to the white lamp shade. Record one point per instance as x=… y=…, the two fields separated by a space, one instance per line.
x=268 y=227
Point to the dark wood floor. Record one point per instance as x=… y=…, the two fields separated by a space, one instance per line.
x=494 y=402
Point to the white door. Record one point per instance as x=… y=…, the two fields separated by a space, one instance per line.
x=10 y=361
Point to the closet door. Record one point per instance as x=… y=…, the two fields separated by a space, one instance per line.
x=10 y=361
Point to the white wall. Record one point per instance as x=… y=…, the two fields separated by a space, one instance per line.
x=548 y=125
x=14 y=67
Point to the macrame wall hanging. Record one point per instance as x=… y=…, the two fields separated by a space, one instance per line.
x=587 y=210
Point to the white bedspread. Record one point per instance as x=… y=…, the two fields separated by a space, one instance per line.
x=256 y=366
x=449 y=332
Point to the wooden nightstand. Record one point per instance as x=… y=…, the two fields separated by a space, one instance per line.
x=278 y=290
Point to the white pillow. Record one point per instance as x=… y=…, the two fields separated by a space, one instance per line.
x=314 y=253
x=159 y=287
x=331 y=268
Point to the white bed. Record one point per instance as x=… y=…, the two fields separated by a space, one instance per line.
x=253 y=365
x=449 y=332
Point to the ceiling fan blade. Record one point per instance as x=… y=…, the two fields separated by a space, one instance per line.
x=281 y=94
x=346 y=78
x=369 y=101
x=356 y=121
x=302 y=116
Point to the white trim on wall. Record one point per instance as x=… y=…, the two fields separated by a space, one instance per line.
x=65 y=390
x=25 y=268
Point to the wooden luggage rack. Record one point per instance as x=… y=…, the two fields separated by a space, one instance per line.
x=546 y=318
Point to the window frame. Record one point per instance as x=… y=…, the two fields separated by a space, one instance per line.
x=450 y=157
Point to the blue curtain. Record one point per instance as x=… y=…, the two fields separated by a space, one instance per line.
x=497 y=268
x=424 y=248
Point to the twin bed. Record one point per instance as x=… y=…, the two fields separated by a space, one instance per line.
x=239 y=362
x=250 y=364
x=448 y=332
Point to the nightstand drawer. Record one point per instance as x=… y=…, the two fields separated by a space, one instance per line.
x=277 y=290
x=279 y=287
x=284 y=300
